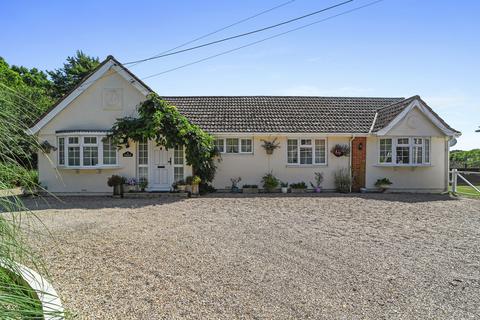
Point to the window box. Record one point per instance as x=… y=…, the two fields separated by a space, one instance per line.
x=250 y=189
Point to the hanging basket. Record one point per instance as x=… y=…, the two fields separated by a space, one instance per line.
x=340 y=150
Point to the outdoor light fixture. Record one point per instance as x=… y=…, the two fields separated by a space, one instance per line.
x=360 y=146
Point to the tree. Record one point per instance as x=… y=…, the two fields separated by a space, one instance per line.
x=73 y=71
x=164 y=124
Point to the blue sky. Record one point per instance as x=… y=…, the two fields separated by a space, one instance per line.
x=394 y=48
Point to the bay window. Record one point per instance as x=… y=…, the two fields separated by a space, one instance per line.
x=86 y=151
x=306 y=151
x=404 y=151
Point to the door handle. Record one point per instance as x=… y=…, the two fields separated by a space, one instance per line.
x=170 y=161
x=160 y=167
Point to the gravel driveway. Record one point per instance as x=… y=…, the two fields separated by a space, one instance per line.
x=264 y=257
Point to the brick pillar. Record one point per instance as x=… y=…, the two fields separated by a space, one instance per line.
x=359 y=157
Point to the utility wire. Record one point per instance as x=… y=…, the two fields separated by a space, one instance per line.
x=221 y=29
x=264 y=39
x=242 y=34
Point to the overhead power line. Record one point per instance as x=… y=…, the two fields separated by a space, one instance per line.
x=264 y=39
x=222 y=29
x=242 y=34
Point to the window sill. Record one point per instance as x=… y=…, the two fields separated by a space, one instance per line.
x=88 y=168
x=305 y=165
x=402 y=165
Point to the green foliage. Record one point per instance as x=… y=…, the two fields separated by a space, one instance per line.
x=318 y=180
x=465 y=159
x=193 y=180
x=270 y=182
x=252 y=186
x=383 y=182
x=298 y=185
x=343 y=180
x=115 y=180
x=284 y=184
x=73 y=71
x=162 y=123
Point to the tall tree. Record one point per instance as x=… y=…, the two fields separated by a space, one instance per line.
x=73 y=71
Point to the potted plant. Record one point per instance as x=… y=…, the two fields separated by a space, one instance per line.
x=270 y=182
x=181 y=185
x=234 y=188
x=116 y=182
x=299 y=187
x=343 y=180
x=132 y=185
x=383 y=184
x=143 y=184
x=194 y=181
x=340 y=150
x=270 y=146
x=318 y=182
x=250 y=188
x=284 y=187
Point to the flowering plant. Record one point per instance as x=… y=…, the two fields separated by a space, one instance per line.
x=132 y=181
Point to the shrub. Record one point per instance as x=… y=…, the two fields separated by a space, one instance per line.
x=284 y=184
x=115 y=180
x=193 y=180
x=270 y=182
x=343 y=180
x=318 y=180
x=383 y=182
x=298 y=185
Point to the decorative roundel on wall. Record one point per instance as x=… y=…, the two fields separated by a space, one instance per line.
x=113 y=99
x=412 y=122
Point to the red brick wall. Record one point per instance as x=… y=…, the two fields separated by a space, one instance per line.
x=359 y=163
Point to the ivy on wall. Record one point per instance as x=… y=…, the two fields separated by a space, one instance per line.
x=161 y=122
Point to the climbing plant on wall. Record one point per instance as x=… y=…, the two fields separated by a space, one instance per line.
x=163 y=123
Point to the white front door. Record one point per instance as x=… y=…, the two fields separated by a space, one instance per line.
x=161 y=169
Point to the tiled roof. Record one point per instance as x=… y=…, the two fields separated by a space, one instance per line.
x=277 y=114
x=388 y=113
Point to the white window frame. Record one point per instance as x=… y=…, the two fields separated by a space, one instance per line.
x=312 y=146
x=179 y=165
x=240 y=143
x=81 y=144
x=143 y=165
x=426 y=149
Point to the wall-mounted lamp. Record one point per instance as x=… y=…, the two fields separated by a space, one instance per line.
x=360 y=146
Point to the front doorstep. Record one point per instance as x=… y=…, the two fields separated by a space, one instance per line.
x=139 y=195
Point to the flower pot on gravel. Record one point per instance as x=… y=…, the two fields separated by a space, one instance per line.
x=284 y=189
x=296 y=190
x=250 y=189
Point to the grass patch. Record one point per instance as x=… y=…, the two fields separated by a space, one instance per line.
x=468 y=191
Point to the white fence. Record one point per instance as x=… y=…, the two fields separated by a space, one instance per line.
x=456 y=175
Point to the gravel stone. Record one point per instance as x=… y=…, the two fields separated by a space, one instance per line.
x=224 y=256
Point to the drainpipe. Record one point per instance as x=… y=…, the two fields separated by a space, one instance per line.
x=447 y=162
x=350 y=162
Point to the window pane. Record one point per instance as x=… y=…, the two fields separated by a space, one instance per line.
x=402 y=141
x=304 y=142
x=219 y=144
x=178 y=155
x=178 y=173
x=142 y=174
x=305 y=155
x=246 y=145
x=417 y=154
x=320 y=151
x=90 y=156
x=72 y=140
x=292 y=151
x=73 y=156
x=143 y=153
x=109 y=152
x=427 y=150
x=403 y=155
x=90 y=140
x=61 y=151
x=385 y=151
x=232 y=145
